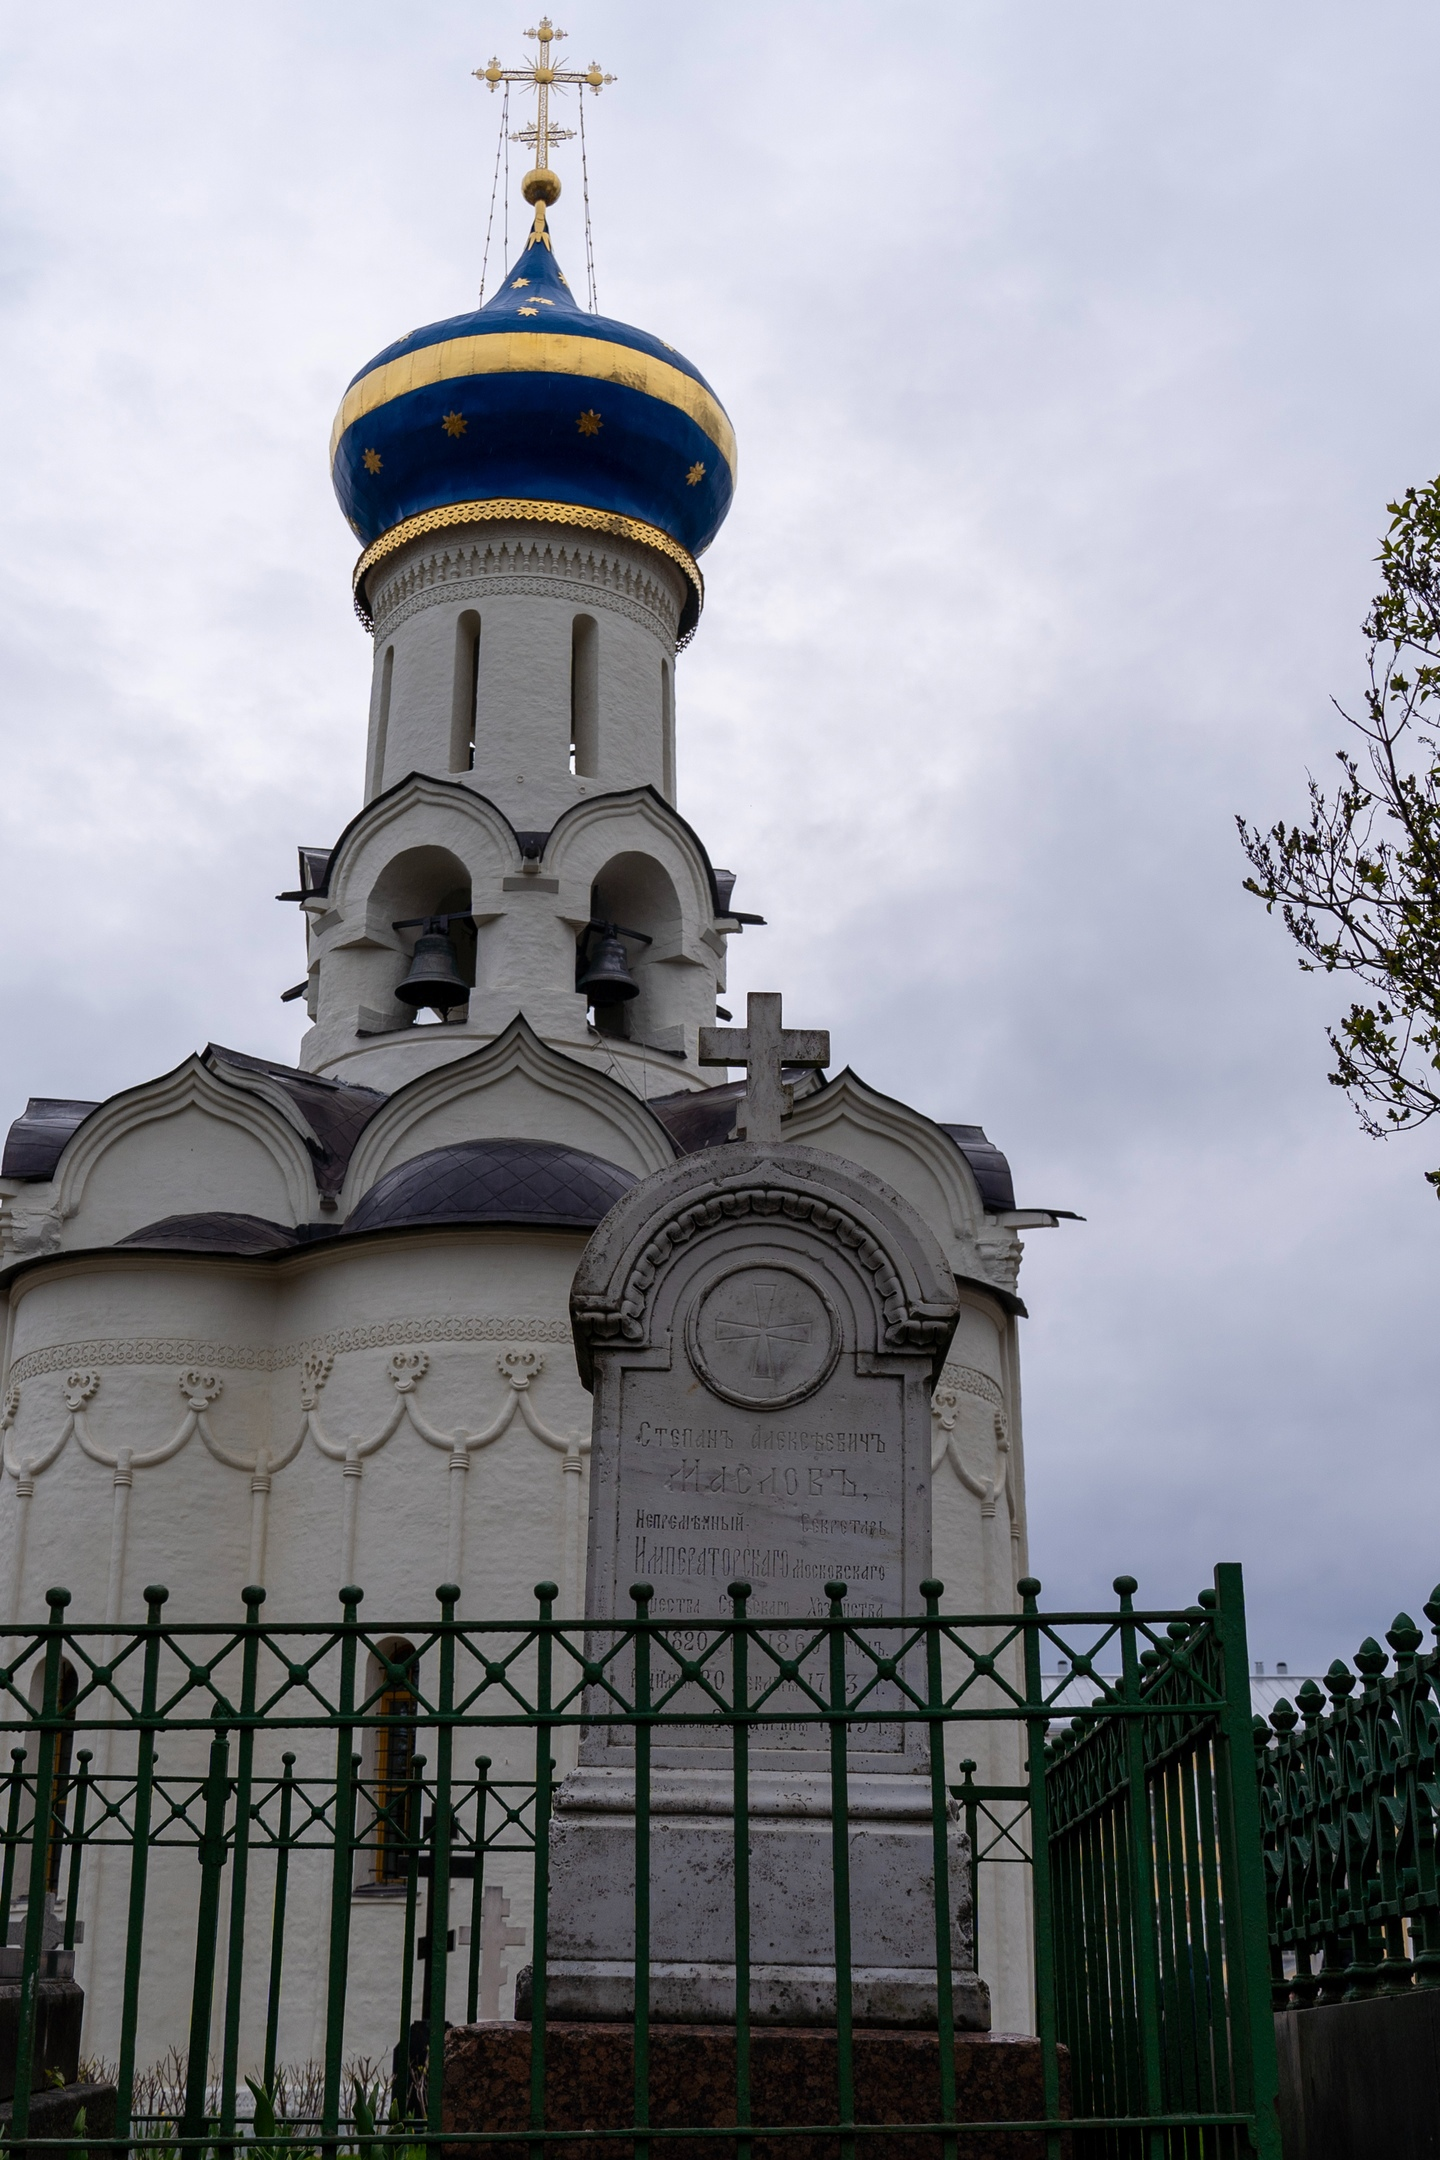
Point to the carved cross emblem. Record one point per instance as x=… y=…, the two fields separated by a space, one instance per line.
x=766 y=1330
x=763 y=1336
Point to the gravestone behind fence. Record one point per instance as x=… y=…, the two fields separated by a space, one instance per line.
x=760 y=1330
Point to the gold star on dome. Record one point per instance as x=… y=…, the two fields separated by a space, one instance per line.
x=516 y=283
x=539 y=302
x=373 y=461
x=589 y=423
x=695 y=475
x=454 y=423
x=527 y=311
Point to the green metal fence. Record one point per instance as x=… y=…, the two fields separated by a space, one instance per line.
x=215 y=1804
x=1350 y=1793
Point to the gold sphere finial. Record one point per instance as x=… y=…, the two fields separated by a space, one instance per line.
x=541 y=185
x=492 y=74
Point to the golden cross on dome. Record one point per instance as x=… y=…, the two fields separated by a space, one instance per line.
x=540 y=184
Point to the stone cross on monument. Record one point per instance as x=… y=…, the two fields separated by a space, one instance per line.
x=764 y=1048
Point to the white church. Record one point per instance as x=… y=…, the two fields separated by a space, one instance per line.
x=308 y=1326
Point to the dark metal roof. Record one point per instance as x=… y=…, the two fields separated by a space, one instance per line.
x=36 y=1140
x=705 y=1117
x=336 y=1112
x=215 y=1232
x=499 y=1181
x=992 y=1171
x=699 y=1118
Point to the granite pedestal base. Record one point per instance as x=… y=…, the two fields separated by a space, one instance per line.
x=589 y=2084
x=59 y=2007
x=53 y=2111
x=692 y=1900
x=1359 y=2080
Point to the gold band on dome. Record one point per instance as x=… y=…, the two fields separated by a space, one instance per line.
x=538 y=352
x=541 y=513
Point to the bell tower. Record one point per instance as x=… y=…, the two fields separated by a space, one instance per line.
x=531 y=484
x=535 y=663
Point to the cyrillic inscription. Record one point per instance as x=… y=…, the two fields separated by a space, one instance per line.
x=794 y=1504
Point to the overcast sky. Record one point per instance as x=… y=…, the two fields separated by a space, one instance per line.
x=1074 y=348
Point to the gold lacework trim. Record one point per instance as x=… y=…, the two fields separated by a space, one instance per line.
x=540 y=513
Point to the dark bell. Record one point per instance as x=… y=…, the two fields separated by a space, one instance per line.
x=434 y=978
x=607 y=979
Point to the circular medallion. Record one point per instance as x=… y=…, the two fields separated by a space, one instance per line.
x=763 y=1337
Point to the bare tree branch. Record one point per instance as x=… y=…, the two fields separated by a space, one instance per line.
x=1358 y=886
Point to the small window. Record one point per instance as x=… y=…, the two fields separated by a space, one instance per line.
x=584 y=697
x=465 y=703
x=394 y=1672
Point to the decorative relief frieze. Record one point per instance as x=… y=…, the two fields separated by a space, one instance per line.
x=989 y=1489
x=1000 y=1257
x=971 y=1382
x=619 y=1316
x=405 y=1370
x=482 y=589
x=243 y=1357
x=584 y=575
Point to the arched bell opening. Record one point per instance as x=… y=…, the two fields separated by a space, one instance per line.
x=621 y=956
x=423 y=899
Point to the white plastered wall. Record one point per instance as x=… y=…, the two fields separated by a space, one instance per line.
x=469 y=1329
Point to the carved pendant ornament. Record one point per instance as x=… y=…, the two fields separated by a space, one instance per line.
x=763 y=1337
x=201 y=1389
x=957 y=1386
x=405 y=1370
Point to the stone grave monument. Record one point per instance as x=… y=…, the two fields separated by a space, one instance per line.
x=759 y=1325
x=57 y=2091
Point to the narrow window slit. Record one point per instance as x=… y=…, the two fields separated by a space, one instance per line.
x=465 y=699
x=584 y=697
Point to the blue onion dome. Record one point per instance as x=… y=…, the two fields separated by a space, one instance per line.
x=532 y=407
